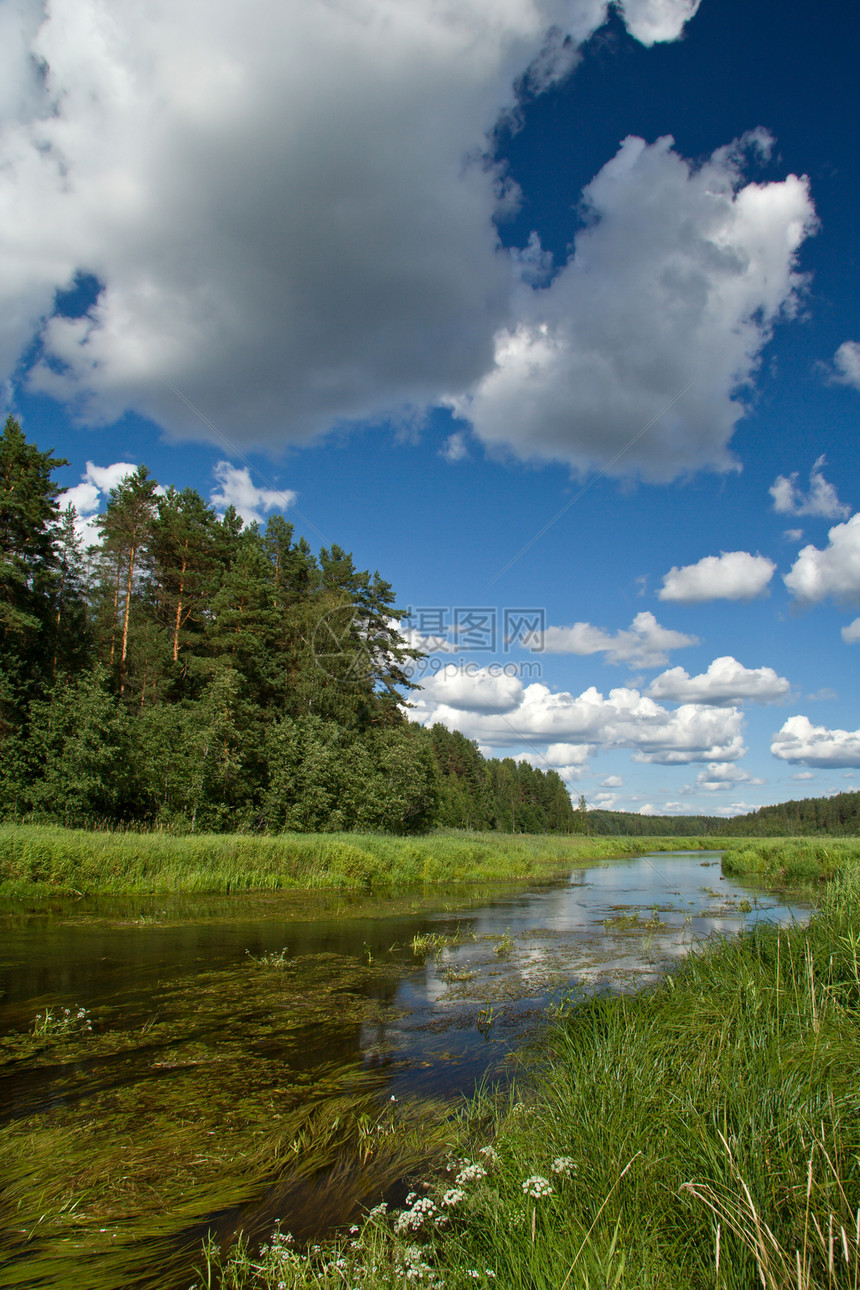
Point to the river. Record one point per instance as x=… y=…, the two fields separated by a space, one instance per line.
x=227 y=1043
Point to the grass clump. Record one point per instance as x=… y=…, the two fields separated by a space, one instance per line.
x=276 y=959
x=705 y=1134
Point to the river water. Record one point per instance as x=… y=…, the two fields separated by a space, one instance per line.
x=237 y=1052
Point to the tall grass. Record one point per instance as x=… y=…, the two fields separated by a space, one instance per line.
x=792 y=862
x=37 y=859
x=703 y=1134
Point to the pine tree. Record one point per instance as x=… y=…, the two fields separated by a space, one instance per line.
x=183 y=565
x=28 y=571
x=126 y=529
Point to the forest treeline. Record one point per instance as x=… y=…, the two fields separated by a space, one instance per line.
x=836 y=816
x=190 y=672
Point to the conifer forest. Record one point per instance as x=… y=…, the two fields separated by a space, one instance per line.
x=188 y=672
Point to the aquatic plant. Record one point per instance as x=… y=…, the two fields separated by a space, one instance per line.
x=270 y=958
x=505 y=944
x=60 y=1023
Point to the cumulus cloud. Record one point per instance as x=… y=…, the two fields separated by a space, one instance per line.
x=656 y=20
x=644 y=644
x=567 y=754
x=851 y=633
x=846 y=361
x=471 y=689
x=821 y=500
x=732 y=575
x=96 y=483
x=833 y=571
x=236 y=488
x=570 y=766
x=656 y=320
x=799 y=741
x=287 y=209
x=720 y=777
x=90 y=496
x=725 y=682
x=498 y=711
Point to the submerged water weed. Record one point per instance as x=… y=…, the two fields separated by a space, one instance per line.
x=61 y=1023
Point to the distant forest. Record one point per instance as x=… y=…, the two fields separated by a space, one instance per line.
x=837 y=816
x=190 y=672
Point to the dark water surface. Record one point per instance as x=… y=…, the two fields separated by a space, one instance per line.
x=249 y=1055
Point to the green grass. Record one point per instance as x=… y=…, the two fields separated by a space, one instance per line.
x=791 y=862
x=704 y=1135
x=36 y=859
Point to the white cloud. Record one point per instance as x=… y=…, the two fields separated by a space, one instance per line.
x=804 y=774
x=656 y=20
x=471 y=689
x=454 y=448
x=726 y=681
x=568 y=754
x=851 y=633
x=237 y=489
x=644 y=644
x=833 y=571
x=846 y=360
x=732 y=575
x=821 y=500
x=672 y=289
x=287 y=205
x=720 y=777
x=735 y=808
x=612 y=781
x=499 y=711
x=89 y=497
x=569 y=769
x=792 y=535
x=800 y=741
x=96 y=483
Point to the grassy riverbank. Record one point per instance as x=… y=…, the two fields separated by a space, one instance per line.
x=703 y=1134
x=36 y=860
x=791 y=862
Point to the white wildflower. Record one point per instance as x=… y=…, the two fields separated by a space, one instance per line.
x=564 y=1165
x=537 y=1187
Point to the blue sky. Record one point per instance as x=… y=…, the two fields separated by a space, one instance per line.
x=544 y=309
